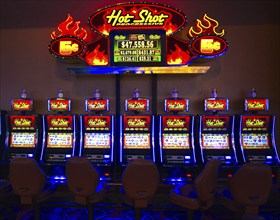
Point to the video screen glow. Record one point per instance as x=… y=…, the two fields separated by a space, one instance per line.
x=175 y=141
x=255 y=141
x=59 y=140
x=136 y=141
x=23 y=139
x=97 y=140
x=215 y=141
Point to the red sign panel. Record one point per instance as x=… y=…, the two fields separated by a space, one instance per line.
x=137 y=105
x=97 y=104
x=216 y=104
x=210 y=123
x=60 y=105
x=93 y=122
x=256 y=104
x=175 y=123
x=22 y=104
x=137 y=123
x=174 y=105
x=59 y=122
x=22 y=122
x=258 y=122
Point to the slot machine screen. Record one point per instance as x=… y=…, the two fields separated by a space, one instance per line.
x=255 y=141
x=136 y=141
x=24 y=139
x=175 y=141
x=59 y=140
x=215 y=141
x=97 y=140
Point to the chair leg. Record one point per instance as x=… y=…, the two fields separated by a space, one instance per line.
x=37 y=211
x=137 y=213
x=90 y=209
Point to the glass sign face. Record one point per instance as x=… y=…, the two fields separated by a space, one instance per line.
x=138 y=48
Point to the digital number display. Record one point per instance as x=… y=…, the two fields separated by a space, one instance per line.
x=60 y=140
x=136 y=141
x=215 y=141
x=129 y=48
x=23 y=139
x=97 y=140
x=255 y=141
x=175 y=141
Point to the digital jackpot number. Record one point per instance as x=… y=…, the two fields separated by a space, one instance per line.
x=127 y=44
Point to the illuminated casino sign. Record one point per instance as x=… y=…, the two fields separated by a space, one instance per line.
x=137 y=35
x=58 y=104
x=137 y=123
x=22 y=122
x=97 y=105
x=136 y=105
x=256 y=104
x=93 y=122
x=175 y=123
x=56 y=122
x=252 y=122
x=213 y=104
x=176 y=105
x=211 y=123
x=22 y=104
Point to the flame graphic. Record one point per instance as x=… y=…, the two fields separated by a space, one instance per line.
x=169 y=28
x=69 y=27
x=209 y=27
x=178 y=56
x=97 y=57
x=104 y=29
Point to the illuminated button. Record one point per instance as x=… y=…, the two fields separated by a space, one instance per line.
x=30 y=155
x=187 y=157
x=106 y=156
x=68 y=155
x=269 y=157
x=228 y=157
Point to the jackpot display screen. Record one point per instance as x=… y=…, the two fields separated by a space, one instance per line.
x=255 y=141
x=97 y=140
x=215 y=141
x=175 y=141
x=138 y=47
x=24 y=139
x=136 y=141
x=60 y=140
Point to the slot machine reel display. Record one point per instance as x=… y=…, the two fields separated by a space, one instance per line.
x=216 y=132
x=257 y=132
x=137 y=131
x=176 y=139
x=59 y=131
x=24 y=132
x=97 y=135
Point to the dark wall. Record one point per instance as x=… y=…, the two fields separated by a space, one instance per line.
x=252 y=30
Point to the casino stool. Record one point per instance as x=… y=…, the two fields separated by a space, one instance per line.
x=200 y=194
x=83 y=182
x=140 y=181
x=28 y=181
x=249 y=188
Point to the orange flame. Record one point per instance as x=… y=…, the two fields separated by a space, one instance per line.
x=105 y=29
x=97 y=57
x=69 y=27
x=178 y=56
x=209 y=26
x=169 y=28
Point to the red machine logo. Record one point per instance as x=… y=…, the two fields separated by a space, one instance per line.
x=22 y=104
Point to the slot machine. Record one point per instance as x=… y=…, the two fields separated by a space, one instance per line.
x=24 y=132
x=176 y=140
x=97 y=135
x=136 y=131
x=216 y=132
x=59 y=133
x=256 y=132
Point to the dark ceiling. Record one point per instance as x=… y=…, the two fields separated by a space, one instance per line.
x=41 y=13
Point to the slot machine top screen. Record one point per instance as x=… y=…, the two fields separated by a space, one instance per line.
x=215 y=141
x=138 y=47
x=97 y=140
x=23 y=139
